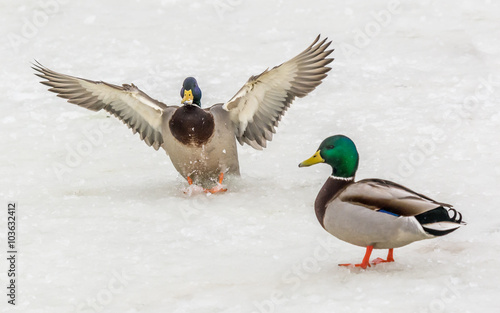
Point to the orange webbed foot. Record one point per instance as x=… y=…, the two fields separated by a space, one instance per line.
x=219 y=187
x=378 y=261
x=362 y=265
x=195 y=188
x=216 y=189
x=366 y=259
x=390 y=258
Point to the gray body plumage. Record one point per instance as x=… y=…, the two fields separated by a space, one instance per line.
x=204 y=163
x=378 y=213
x=357 y=225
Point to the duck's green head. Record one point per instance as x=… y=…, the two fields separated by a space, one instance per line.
x=340 y=153
x=191 y=92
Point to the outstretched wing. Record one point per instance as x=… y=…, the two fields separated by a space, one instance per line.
x=133 y=107
x=258 y=106
x=379 y=194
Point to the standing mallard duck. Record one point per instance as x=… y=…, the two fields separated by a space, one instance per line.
x=202 y=142
x=374 y=213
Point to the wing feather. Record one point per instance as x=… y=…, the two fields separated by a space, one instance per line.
x=258 y=106
x=137 y=110
x=378 y=194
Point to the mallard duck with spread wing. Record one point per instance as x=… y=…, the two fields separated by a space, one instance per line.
x=202 y=142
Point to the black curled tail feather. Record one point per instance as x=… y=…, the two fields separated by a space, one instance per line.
x=457 y=216
x=438 y=222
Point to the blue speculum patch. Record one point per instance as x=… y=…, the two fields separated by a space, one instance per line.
x=387 y=212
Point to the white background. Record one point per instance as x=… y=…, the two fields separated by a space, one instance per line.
x=416 y=86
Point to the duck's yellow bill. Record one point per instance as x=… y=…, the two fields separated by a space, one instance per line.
x=315 y=159
x=188 y=97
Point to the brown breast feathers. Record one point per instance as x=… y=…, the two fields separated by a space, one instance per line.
x=192 y=125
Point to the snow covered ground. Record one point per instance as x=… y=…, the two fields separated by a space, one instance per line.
x=416 y=86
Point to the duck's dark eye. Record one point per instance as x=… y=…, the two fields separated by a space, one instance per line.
x=330 y=147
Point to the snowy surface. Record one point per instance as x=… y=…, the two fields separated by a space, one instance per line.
x=417 y=88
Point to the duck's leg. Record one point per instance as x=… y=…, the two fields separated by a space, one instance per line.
x=219 y=187
x=190 y=180
x=390 y=255
x=366 y=259
x=390 y=258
